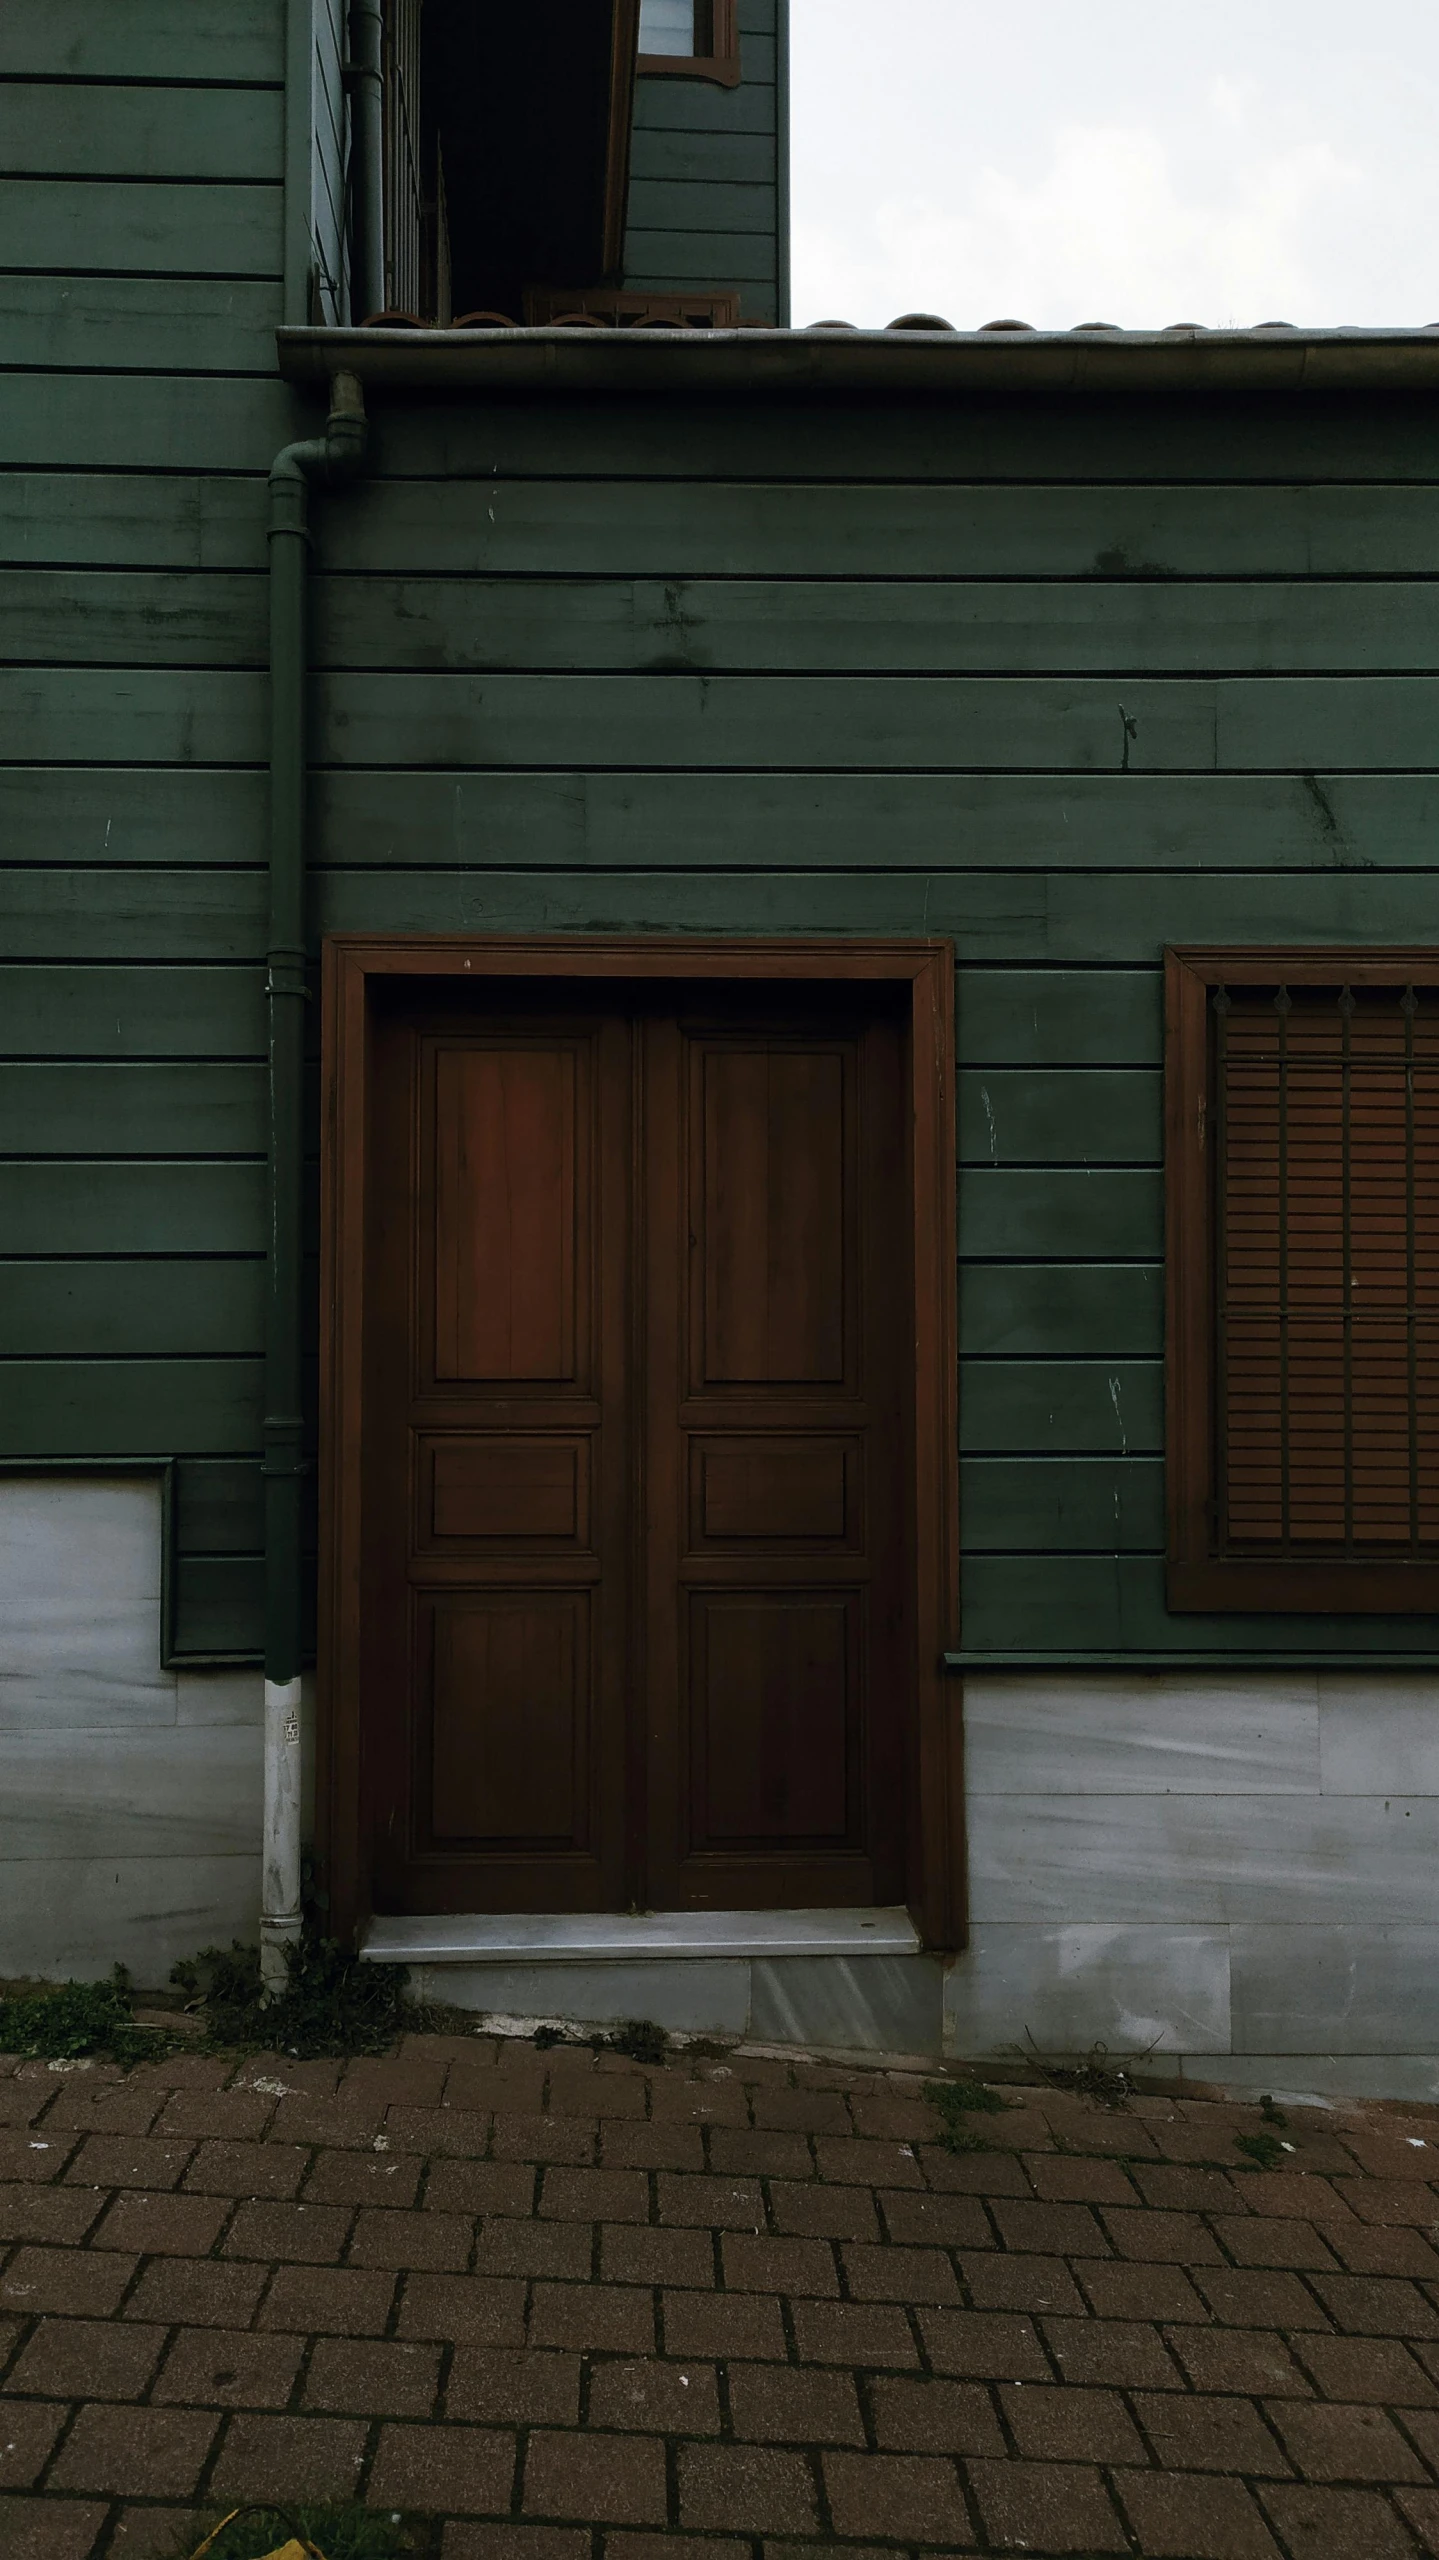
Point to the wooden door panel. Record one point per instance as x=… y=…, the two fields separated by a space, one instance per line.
x=766 y=1489
x=503 y=1487
x=508 y=1206
x=774 y=1700
x=509 y=1727
x=769 y=1208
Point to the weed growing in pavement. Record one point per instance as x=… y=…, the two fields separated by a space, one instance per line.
x=639 y=2040
x=75 y=2021
x=1262 y=2150
x=956 y=2099
x=336 y=2532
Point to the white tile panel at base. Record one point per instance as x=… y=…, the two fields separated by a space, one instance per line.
x=129 y=1795
x=1020 y=1990
x=706 y=1998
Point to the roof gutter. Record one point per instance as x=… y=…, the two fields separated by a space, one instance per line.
x=898 y=361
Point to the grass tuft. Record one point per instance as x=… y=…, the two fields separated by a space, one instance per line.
x=76 y=2021
x=339 y=2532
x=1265 y=2150
x=956 y=2099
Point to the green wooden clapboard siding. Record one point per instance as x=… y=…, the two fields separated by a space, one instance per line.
x=1059 y=1115
x=1060 y=1310
x=909 y=822
x=1088 y=1408
x=146 y=814
x=133 y=1408
x=168 y=228
x=132 y=715
x=661 y=206
x=701 y=160
x=663 y=259
x=144 y=422
x=1102 y=1212
x=119 y=131
x=669 y=105
x=1059 y=1017
x=99 y=1209
x=1107 y=1506
x=162 y=40
x=181 y=1107
x=1113 y=1604
x=96 y=520
x=132 y=915
x=146 y=1012
x=497 y=521
x=219 y=1506
x=163 y=322
x=835 y=625
x=180 y=1308
x=136 y=617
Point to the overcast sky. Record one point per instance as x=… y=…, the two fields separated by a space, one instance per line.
x=1142 y=161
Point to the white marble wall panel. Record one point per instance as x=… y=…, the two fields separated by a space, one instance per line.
x=80 y=1604
x=63 y=1918
x=1197 y=1860
x=1342 y=1989
x=1379 y=1736
x=850 y=2004
x=124 y=1795
x=1063 y=1990
x=710 y=1998
x=1142 y=1733
x=225 y=1696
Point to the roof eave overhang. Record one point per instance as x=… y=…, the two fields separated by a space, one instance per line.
x=895 y=361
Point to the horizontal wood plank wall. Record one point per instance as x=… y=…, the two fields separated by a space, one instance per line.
x=704 y=205
x=141 y=163
x=1065 y=680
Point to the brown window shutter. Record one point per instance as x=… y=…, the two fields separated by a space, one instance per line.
x=1303 y=1213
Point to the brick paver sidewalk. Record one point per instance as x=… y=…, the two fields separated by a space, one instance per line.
x=553 y=2297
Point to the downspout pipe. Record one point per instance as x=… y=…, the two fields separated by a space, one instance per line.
x=367 y=146
x=335 y=456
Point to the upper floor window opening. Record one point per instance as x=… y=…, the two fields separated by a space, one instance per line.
x=699 y=39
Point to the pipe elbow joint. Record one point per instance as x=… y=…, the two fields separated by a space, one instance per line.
x=346 y=428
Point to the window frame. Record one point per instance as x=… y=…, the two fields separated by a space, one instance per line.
x=1199 y=1577
x=721 y=63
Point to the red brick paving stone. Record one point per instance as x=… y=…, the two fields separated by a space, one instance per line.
x=62 y=2214
x=687 y=2546
x=310 y=2234
x=830 y=2213
x=894 y=2118
x=135 y=2453
x=240 y=2115
x=204 y=2290
x=1344 y=2524
x=790 y=2406
x=526 y=2542
x=1368 y=2250
x=345 y=2302
x=747 y=2488
x=289 y=2078
x=757 y=2263
x=568 y=2139
x=1060 y=2180
x=1045 y=2506
x=358 y=2177
x=437 y=2242
x=979 y=2173
x=1209 y=2433
x=48 y=2528
x=1050 y=2229
x=515 y=2387
x=868 y=2164
x=77 y=2281
x=1143 y=2233
x=718 y=2204
x=327 y=2121
x=229 y=2369
x=598 y=2479
x=246 y=2169
x=1421 y=2507
x=726 y=2324
x=28 y=2430
x=446 y=2133
x=1058 y=2422
x=1292 y=2195
x=1327 y=2441
x=416 y=2080
x=1240 y=2360
x=156 y=2533
x=595 y=2195
x=911 y=2497
x=810 y=2111
x=1123 y=2290
x=1003 y=2283
x=563 y=2249
x=1367 y=2369
x=760 y=2155
x=479 y=2186
x=1256 y=2298
x=112 y=2110
x=480 y=2311
x=373 y=2377
x=899 y=2275
x=947 y=2222
x=1179 y=2517
x=658 y=2398
x=1375 y=2306
x=1390 y=2200
x=646 y=2256
x=863 y=2333
x=698 y=2102
x=613 y=2318
x=652 y=2146
x=983 y=2346
x=127 y=2160
x=288 y=2458
x=934 y=2417
x=163 y=2225
x=33 y=2159
x=459 y=2470
x=88 y=2360
x=1259 y=2240
x=1128 y=2353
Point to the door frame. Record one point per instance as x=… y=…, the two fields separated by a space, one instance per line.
x=924 y=970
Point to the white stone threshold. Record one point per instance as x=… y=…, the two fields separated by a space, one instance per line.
x=605 y=1937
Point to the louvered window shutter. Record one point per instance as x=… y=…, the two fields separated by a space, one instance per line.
x=1303 y=1217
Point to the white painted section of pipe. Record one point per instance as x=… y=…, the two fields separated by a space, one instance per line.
x=280 y=1869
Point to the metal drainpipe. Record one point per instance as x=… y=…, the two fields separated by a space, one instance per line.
x=336 y=455
x=367 y=144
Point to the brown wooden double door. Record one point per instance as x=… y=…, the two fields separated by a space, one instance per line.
x=635 y=1631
